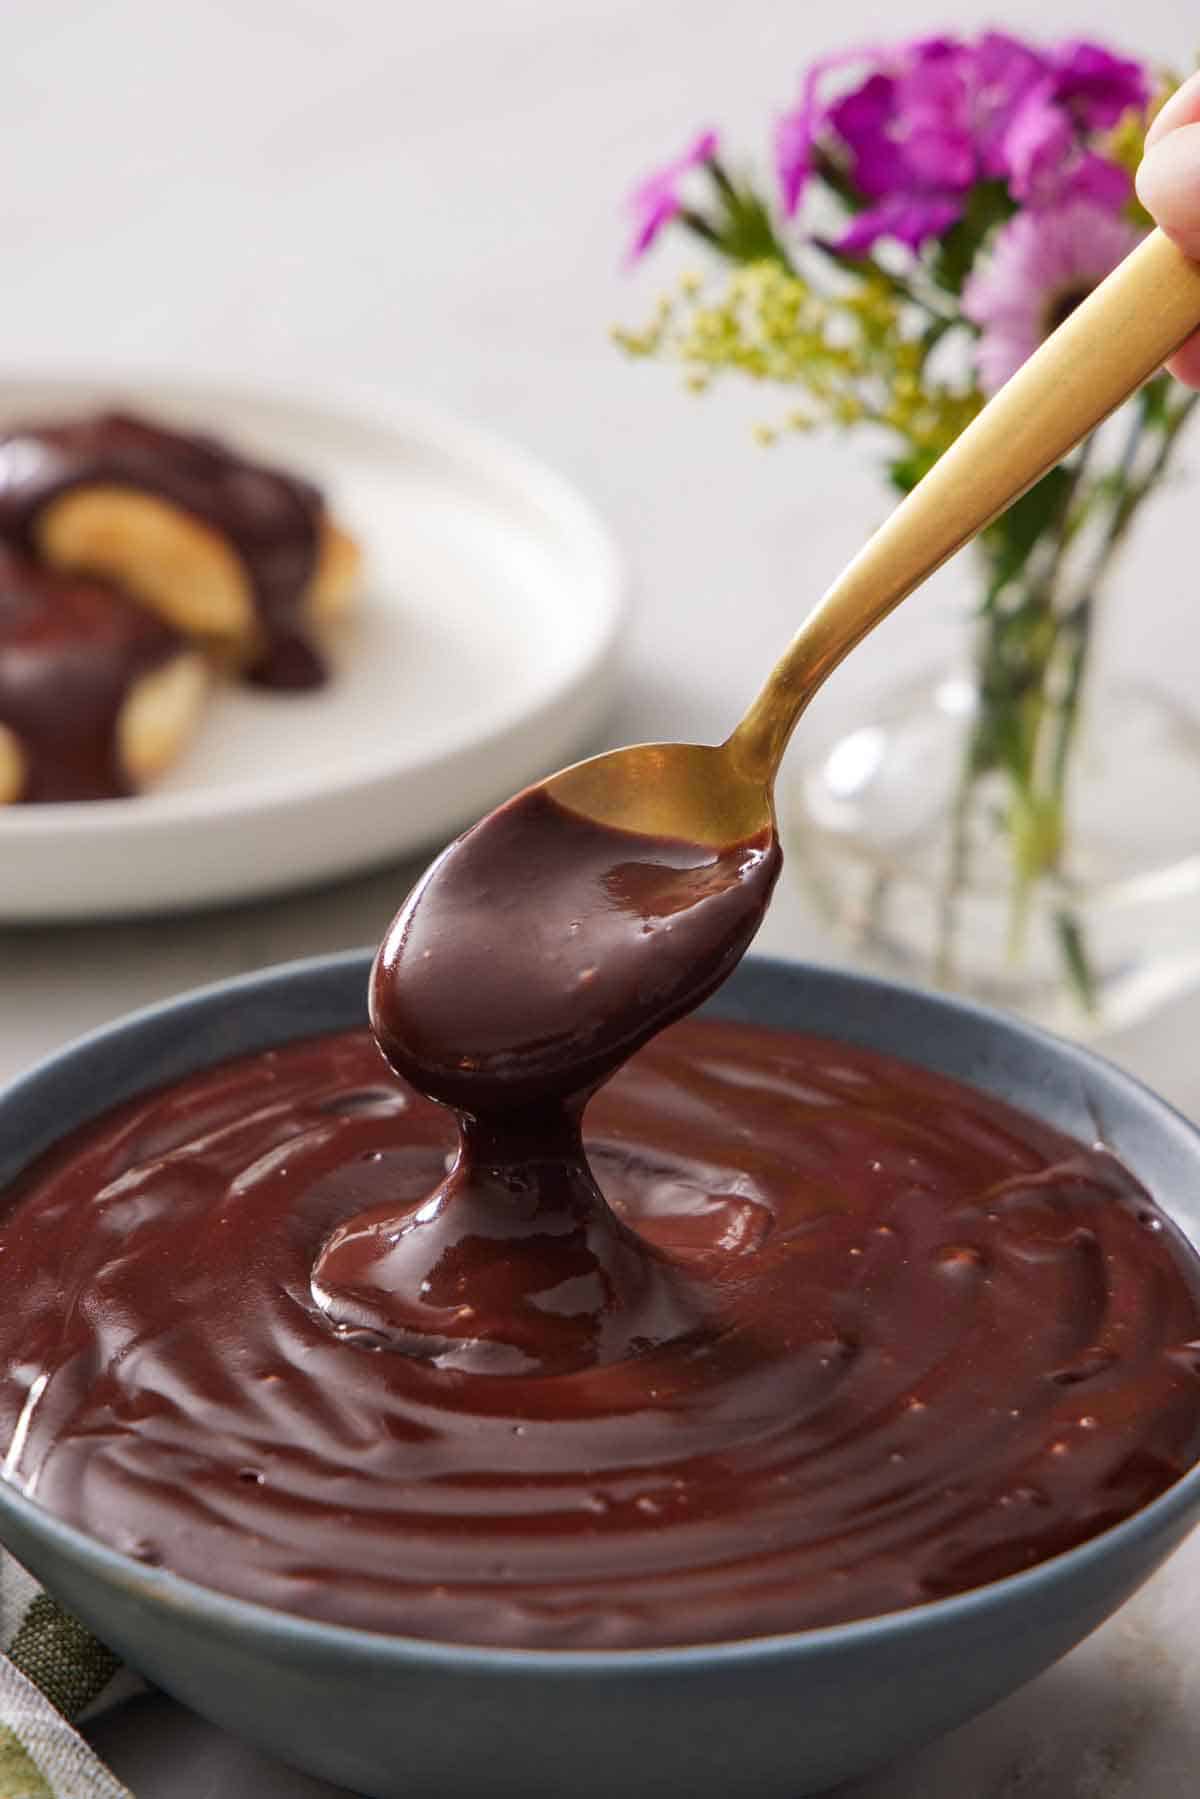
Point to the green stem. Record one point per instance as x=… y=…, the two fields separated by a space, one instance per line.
x=1053 y=732
x=1033 y=668
x=1075 y=629
x=925 y=297
x=1076 y=634
x=698 y=225
x=992 y=666
x=1078 y=617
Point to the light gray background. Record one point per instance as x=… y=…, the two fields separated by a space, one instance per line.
x=422 y=201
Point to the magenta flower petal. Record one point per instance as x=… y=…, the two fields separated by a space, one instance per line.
x=906 y=134
x=1044 y=153
x=1100 y=181
x=940 y=157
x=795 y=137
x=656 y=200
x=933 y=49
x=908 y=219
x=928 y=119
x=933 y=120
x=1006 y=73
x=1097 y=86
x=1036 y=147
x=653 y=213
x=862 y=120
x=796 y=131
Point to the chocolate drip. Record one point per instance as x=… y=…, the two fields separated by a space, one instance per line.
x=71 y=651
x=539 y=952
x=271 y=520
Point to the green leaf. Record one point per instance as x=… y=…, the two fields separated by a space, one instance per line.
x=1011 y=540
x=700 y=227
x=935 y=331
x=738 y=224
x=743 y=228
x=1154 y=400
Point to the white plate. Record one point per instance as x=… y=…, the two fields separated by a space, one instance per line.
x=481 y=656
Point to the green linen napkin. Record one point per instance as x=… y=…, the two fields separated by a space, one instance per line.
x=52 y=1671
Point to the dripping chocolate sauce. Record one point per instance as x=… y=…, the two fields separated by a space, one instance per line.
x=72 y=650
x=271 y=519
x=540 y=951
x=782 y=1333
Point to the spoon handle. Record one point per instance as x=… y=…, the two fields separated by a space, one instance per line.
x=1116 y=339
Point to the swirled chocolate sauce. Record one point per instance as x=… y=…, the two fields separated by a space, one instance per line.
x=270 y=519
x=941 y=1343
x=72 y=650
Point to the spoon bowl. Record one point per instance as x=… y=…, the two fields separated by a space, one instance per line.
x=691 y=791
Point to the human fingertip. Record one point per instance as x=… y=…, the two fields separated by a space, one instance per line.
x=1183 y=108
x=1168 y=186
x=1185 y=364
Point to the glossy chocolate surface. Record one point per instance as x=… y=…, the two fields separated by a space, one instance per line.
x=941 y=1342
x=541 y=949
x=270 y=519
x=537 y=954
x=71 y=651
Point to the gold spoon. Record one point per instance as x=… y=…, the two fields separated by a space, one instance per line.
x=1116 y=339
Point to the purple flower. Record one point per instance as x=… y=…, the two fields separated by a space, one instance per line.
x=912 y=137
x=910 y=220
x=1097 y=87
x=794 y=134
x=934 y=124
x=1093 y=177
x=1046 y=159
x=863 y=122
x=929 y=119
x=657 y=200
x=796 y=131
x=1037 y=144
x=907 y=140
x=1006 y=73
x=1041 y=265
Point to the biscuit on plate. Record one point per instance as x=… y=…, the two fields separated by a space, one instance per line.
x=242 y=558
x=98 y=695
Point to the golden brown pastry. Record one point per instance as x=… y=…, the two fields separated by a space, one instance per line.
x=243 y=558
x=98 y=695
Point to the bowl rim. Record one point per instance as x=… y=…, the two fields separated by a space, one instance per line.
x=213 y=1609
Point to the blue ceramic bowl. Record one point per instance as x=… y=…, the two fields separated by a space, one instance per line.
x=784 y=1715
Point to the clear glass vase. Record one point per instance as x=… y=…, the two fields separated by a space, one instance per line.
x=1024 y=824
x=914 y=860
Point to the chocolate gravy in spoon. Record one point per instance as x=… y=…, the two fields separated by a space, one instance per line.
x=539 y=952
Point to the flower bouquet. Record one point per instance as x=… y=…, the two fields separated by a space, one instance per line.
x=938 y=207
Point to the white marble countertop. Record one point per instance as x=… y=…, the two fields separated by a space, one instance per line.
x=422 y=202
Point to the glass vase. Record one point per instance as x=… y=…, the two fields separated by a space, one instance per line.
x=1062 y=879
